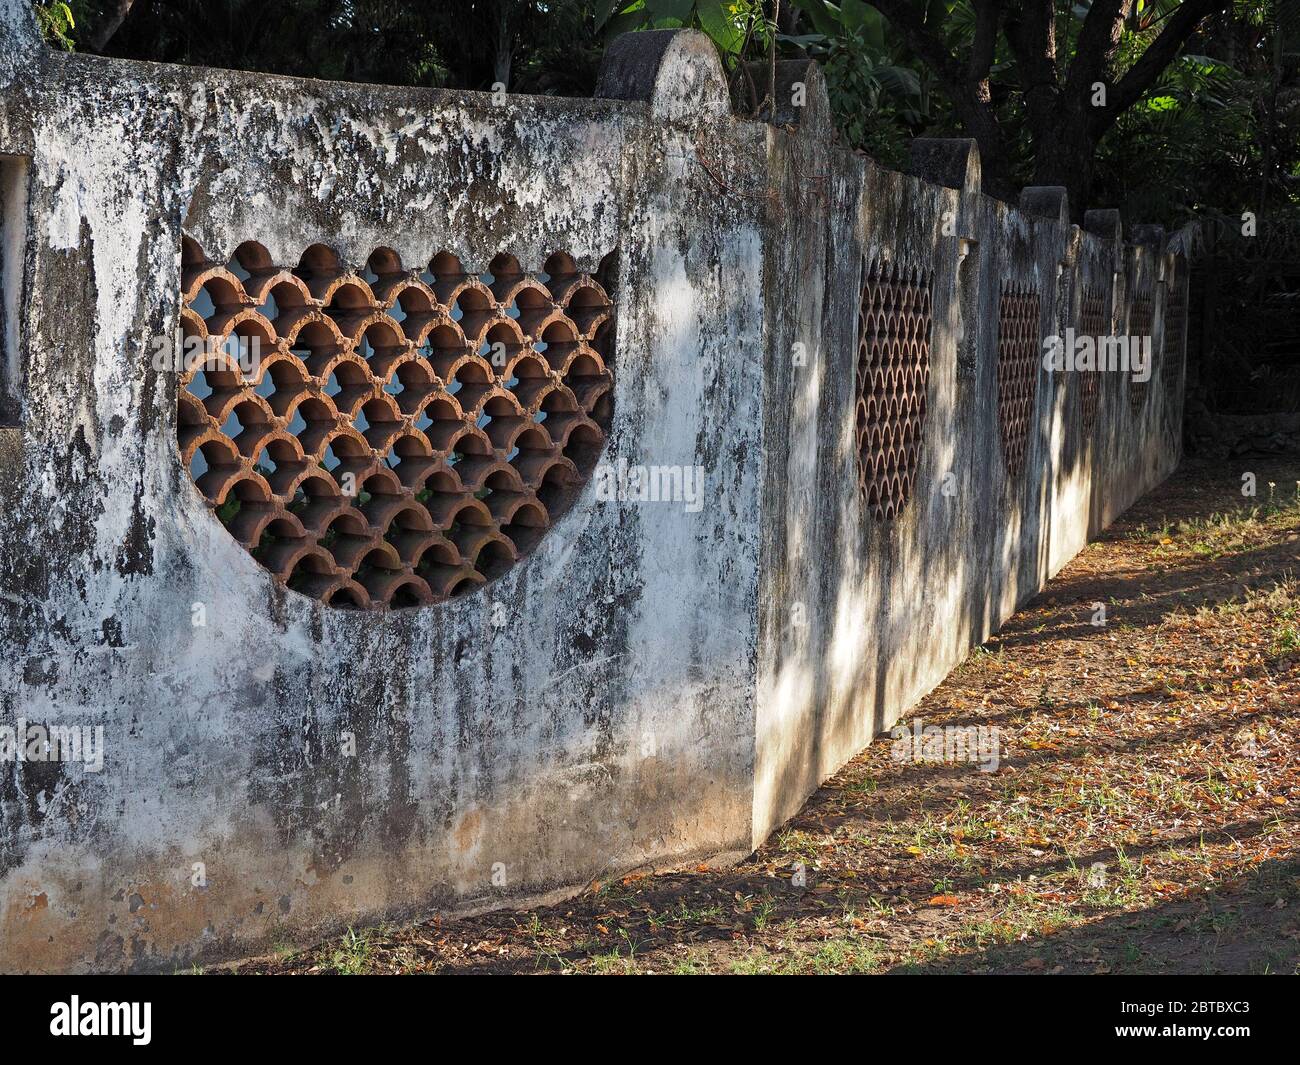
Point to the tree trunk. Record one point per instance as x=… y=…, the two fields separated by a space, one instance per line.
x=113 y=20
x=505 y=47
x=1065 y=127
x=1065 y=154
x=1061 y=165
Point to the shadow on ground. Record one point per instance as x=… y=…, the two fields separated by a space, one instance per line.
x=1253 y=929
x=1143 y=817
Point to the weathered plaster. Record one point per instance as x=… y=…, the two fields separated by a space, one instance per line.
x=642 y=702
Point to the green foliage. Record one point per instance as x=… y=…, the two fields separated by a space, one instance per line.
x=848 y=18
x=56 y=22
x=1220 y=132
x=534 y=46
x=227 y=511
x=877 y=99
x=1214 y=137
x=874 y=96
x=730 y=23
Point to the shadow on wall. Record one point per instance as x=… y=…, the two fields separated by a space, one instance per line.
x=1014 y=473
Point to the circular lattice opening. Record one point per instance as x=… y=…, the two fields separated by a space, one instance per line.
x=393 y=437
x=1141 y=316
x=1092 y=323
x=893 y=379
x=1018 y=362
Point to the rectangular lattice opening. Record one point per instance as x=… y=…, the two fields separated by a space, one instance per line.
x=13 y=251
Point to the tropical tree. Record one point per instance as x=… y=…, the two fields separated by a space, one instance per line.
x=548 y=46
x=1164 y=108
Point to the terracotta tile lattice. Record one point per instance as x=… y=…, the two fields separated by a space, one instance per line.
x=893 y=379
x=1019 y=357
x=1141 y=316
x=1092 y=323
x=406 y=435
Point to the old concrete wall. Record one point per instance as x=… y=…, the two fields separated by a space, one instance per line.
x=861 y=617
x=629 y=695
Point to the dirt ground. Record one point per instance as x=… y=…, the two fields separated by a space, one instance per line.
x=1142 y=817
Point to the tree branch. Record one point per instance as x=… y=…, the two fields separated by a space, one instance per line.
x=987 y=15
x=1032 y=36
x=1096 y=46
x=1158 y=55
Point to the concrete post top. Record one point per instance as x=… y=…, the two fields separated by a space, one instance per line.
x=677 y=72
x=1046 y=201
x=1152 y=239
x=953 y=162
x=1105 y=223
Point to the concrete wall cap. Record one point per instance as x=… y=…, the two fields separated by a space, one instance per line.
x=677 y=72
x=1046 y=201
x=953 y=162
x=1105 y=223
